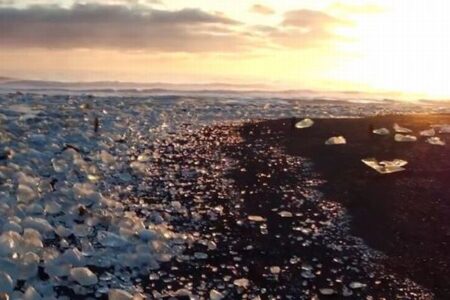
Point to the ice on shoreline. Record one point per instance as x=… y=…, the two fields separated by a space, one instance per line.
x=68 y=192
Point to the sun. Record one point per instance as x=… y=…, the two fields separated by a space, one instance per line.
x=406 y=48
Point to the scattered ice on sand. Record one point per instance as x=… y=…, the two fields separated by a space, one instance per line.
x=256 y=218
x=216 y=295
x=400 y=129
x=108 y=198
x=305 y=123
x=428 y=132
x=404 y=138
x=435 y=141
x=381 y=131
x=385 y=167
x=336 y=140
x=83 y=276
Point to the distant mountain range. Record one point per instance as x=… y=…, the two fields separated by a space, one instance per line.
x=119 y=85
x=207 y=89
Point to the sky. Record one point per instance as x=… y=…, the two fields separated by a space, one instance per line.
x=354 y=45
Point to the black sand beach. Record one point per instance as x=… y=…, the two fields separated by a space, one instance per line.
x=405 y=215
x=283 y=232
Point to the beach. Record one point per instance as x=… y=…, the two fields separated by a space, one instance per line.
x=316 y=215
x=196 y=150
x=167 y=197
x=405 y=215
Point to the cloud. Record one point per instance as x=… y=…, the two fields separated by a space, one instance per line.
x=307 y=28
x=313 y=19
x=262 y=9
x=121 y=27
x=143 y=28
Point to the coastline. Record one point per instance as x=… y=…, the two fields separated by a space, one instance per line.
x=405 y=215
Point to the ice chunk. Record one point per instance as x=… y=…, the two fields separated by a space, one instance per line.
x=32 y=240
x=81 y=230
x=147 y=235
x=138 y=167
x=327 y=291
x=215 y=295
x=53 y=208
x=400 y=129
x=83 y=276
x=34 y=209
x=305 y=123
x=385 y=167
x=107 y=158
x=6 y=283
x=435 y=141
x=336 y=140
x=110 y=239
x=63 y=231
x=12 y=226
x=39 y=224
x=200 y=255
x=275 y=270
x=356 y=285
x=73 y=257
x=428 y=132
x=254 y=218
x=55 y=269
x=9 y=242
x=60 y=165
x=285 y=214
x=211 y=245
x=381 y=131
x=31 y=294
x=86 y=193
x=404 y=138
x=28 y=266
x=25 y=194
x=116 y=294
x=242 y=282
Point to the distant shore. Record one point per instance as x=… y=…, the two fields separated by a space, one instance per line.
x=406 y=215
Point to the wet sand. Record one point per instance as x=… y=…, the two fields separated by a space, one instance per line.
x=406 y=215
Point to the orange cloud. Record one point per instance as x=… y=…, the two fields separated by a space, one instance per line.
x=306 y=29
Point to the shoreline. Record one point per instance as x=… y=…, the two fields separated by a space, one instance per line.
x=286 y=231
x=139 y=200
x=405 y=215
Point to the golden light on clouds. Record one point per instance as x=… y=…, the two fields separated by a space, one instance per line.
x=397 y=46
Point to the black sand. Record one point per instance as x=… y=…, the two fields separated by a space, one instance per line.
x=275 y=168
x=406 y=215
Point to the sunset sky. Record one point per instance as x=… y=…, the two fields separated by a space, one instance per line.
x=384 y=45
